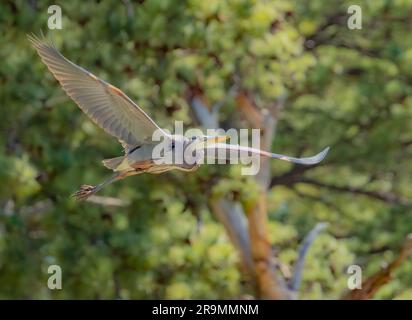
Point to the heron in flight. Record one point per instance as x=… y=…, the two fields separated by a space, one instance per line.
x=118 y=115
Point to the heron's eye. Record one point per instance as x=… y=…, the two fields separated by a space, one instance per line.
x=193 y=138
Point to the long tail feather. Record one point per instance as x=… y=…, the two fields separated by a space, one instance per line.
x=113 y=163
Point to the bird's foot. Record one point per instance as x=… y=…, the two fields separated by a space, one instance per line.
x=84 y=192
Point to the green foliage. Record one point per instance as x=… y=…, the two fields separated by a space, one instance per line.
x=349 y=89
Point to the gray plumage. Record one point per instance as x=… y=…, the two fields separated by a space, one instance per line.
x=118 y=115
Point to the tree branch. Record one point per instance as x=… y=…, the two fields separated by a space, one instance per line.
x=372 y=284
x=300 y=262
x=251 y=241
x=231 y=215
x=383 y=196
x=218 y=105
x=270 y=285
x=207 y=119
x=249 y=110
x=291 y=177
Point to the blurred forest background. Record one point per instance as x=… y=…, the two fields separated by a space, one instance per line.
x=293 y=68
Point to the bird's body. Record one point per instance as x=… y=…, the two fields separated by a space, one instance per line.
x=140 y=158
x=118 y=115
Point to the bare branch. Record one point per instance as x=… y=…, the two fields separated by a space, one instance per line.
x=320 y=199
x=383 y=196
x=206 y=115
x=300 y=262
x=251 y=112
x=208 y=119
x=231 y=93
x=231 y=215
x=270 y=284
x=372 y=284
x=252 y=239
x=276 y=107
x=291 y=177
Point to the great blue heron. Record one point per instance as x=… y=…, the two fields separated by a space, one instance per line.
x=118 y=115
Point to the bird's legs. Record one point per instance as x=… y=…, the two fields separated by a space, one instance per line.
x=86 y=190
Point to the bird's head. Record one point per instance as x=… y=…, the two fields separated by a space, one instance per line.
x=197 y=144
x=201 y=140
x=195 y=141
x=192 y=148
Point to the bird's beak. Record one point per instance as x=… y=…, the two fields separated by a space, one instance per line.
x=215 y=139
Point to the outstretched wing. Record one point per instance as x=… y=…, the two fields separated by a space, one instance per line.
x=105 y=104
x=225 y=151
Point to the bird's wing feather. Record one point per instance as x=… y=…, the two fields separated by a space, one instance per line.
x=242 y=151
x=105 y=104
